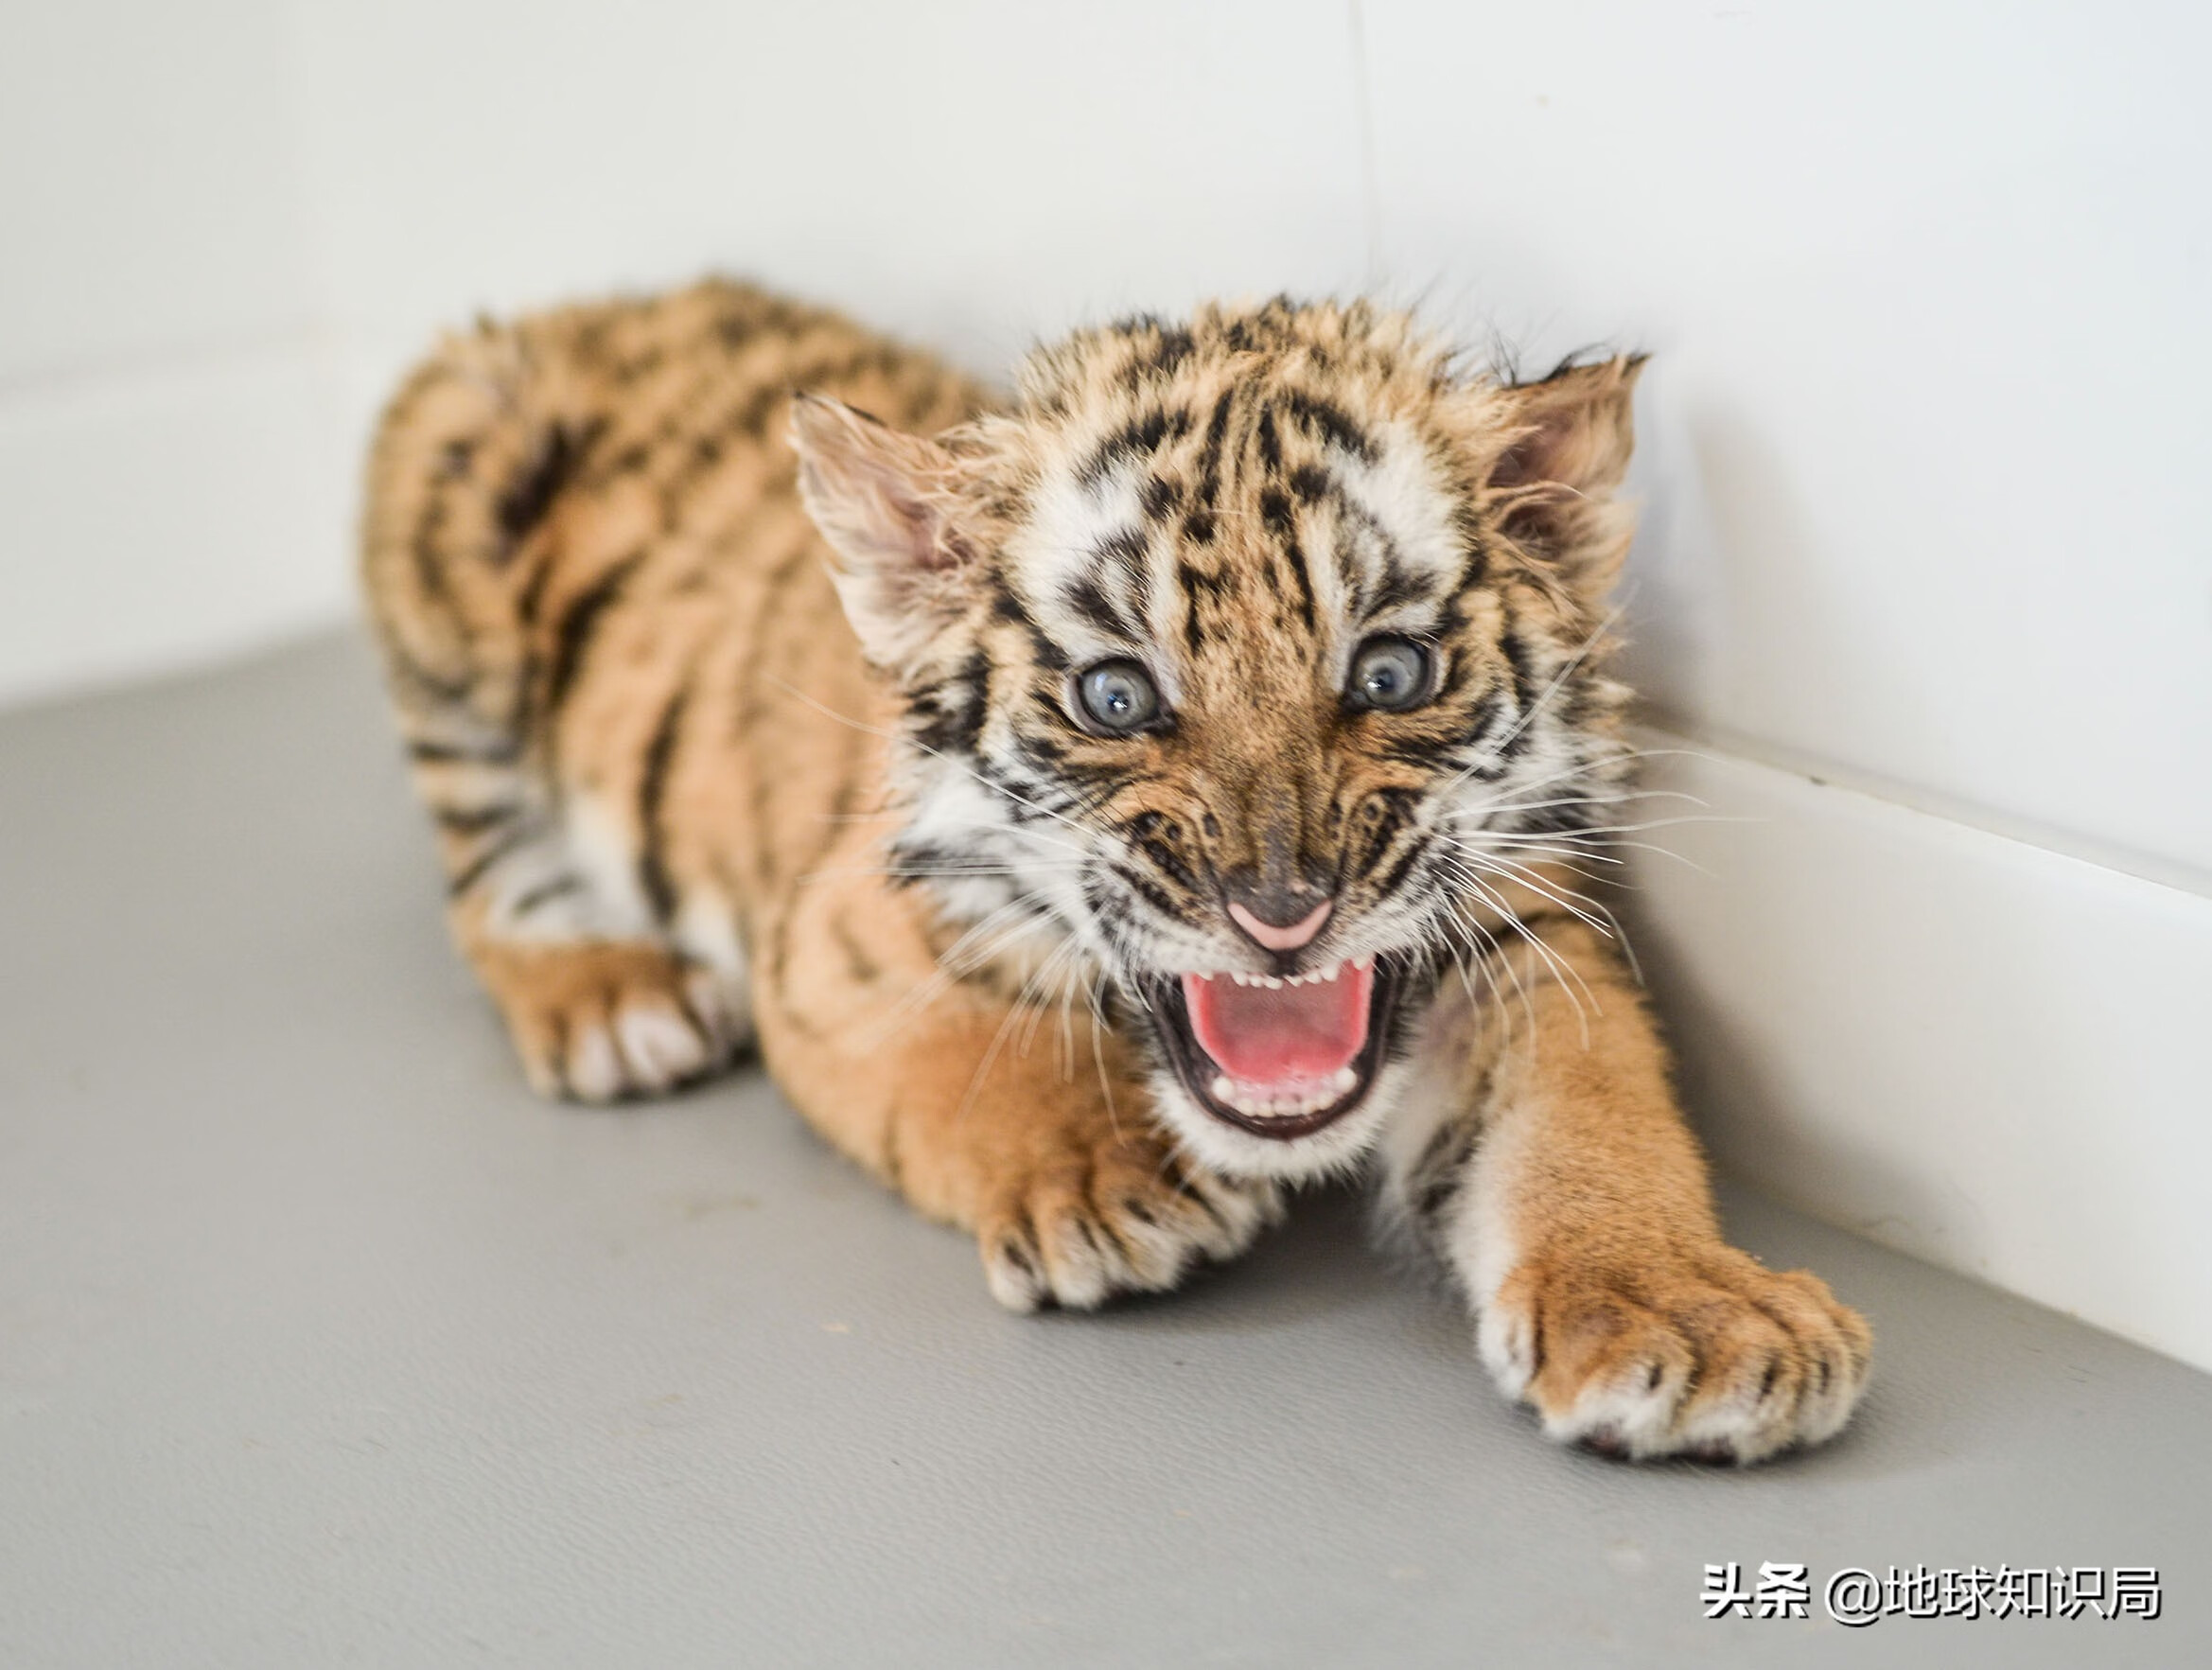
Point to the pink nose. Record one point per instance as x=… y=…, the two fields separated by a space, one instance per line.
x=1289 y=939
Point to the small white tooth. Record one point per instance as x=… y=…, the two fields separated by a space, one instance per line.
x=1344 y=1081
x=1363 y=963
x=1223 y=1088
x=1272 y=983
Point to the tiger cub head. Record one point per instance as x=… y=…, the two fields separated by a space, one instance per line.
x=1245 y=659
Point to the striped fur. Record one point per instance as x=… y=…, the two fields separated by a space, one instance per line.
x=720 y=749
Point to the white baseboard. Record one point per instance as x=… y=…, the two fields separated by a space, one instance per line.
x=1990 y=1055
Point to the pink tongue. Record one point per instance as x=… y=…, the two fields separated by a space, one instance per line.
x=1281 y=1035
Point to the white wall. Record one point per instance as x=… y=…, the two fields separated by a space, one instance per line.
x=172 y=470
x=1920 y=452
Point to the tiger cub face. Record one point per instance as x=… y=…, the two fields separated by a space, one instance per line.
x=1244 y=661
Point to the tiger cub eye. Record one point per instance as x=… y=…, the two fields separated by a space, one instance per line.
x=1118 y=696
x=1389 y=674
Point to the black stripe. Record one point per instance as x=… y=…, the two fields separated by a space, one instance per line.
x=1274 y=509
x=1271 y=449
x=1175 y=345
x=1524 y=689
x=530 y=496
x=573 y=636
x=1488 y=708
x=504 y=752
x=1196 y=581
x=405 y=668
x=473 y=819
x=1333 y=422
x=949 y=716
x=652 y=792
x=546 y=892
x=1139 y=437
x=1169 y=863
x=1150 y=891
x=1398 y=584
x=1129 y=548
x=1441 y=1177
x=1430 y=753
x=1170 y=346
x=1296 y=557
x=1209 y=456
x=1005 y=606
x=1088 y=599
x=1039 y=753
x=1414 y=847
x=532 y=596
x=490 y=854
x=1382 y=815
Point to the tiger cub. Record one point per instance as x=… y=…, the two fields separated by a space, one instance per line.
x=1100 y=808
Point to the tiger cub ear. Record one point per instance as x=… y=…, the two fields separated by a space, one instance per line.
x=1567 y=444
x=886 y=503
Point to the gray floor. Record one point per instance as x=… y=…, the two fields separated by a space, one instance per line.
x=322 y=1343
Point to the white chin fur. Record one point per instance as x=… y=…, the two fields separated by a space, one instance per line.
x=1335 y=1148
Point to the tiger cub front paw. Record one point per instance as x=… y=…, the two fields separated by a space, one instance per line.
x=602 y=1021
x=1076 y=1228
x=1704 y=1353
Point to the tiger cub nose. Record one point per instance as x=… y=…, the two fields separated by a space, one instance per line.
x=1275 y=915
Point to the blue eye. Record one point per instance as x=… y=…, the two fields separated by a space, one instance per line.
x=1388 y=674
x=1118 y=696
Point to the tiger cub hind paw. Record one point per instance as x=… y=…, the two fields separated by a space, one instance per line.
x=1129 y=1219
x=1705 y=1354
x=605 y=1021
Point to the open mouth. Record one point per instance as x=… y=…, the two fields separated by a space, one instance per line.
x=1278 y=1058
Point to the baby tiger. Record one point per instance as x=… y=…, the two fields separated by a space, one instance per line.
x=1100 y=808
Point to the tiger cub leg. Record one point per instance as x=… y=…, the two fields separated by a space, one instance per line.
x=1017 y=1120
x=601 y=1004
x=463 y=577
x=1558 y=1181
